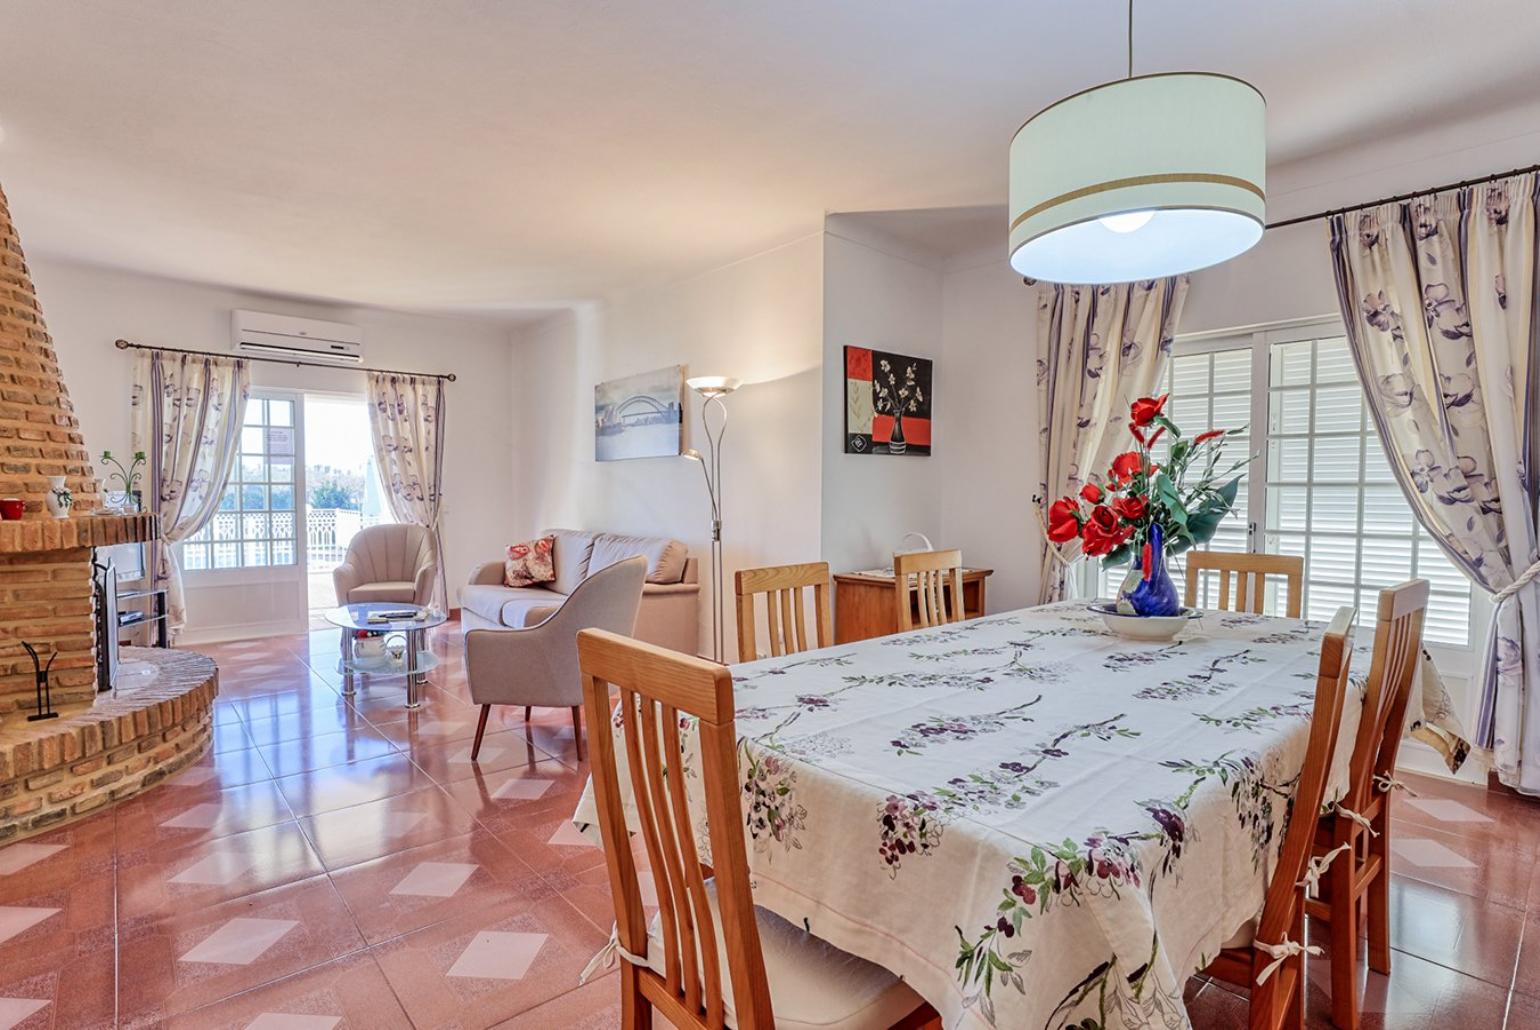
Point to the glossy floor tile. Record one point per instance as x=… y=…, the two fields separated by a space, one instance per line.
x=340 y=862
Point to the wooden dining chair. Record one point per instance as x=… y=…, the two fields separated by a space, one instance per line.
x=1250 y=959
x=1361 y=874
x=785 y=607
x=936 y=574
x=710 y=959
x=1249 y=570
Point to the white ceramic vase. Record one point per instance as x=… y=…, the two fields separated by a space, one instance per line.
x=60 y=499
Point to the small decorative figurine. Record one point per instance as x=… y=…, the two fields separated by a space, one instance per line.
x=44 y=690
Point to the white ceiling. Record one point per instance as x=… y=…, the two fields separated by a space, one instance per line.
x=505 y=156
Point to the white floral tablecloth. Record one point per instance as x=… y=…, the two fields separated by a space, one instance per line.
x=1035 y=823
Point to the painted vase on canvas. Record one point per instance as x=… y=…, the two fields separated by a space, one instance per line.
x=60 y=498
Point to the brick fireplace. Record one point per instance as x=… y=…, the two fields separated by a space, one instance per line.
x=99 y=749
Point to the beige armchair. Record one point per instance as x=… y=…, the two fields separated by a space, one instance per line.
x=390 y=563
x=539 y=665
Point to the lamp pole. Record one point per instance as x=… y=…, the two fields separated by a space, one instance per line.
x=712 y=389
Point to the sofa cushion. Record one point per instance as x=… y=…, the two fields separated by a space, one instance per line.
x=524 y=612
x=665 y=557
x=488 y=600
x=529 y=563
x=573 y=547
x=388 y=590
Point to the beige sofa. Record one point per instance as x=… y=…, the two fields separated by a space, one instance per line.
x=669 y=615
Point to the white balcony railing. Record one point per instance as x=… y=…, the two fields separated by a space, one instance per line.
x=328 y=531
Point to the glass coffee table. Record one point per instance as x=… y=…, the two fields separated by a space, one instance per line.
x=409 y=656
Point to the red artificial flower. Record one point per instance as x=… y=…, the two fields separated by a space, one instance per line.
x=1131 y=508
x=1150 y=443
x=1063 y=521
x=1092 y=493
x=1145 y=409
x=1134 y=429
x=1212 y=434
x=1099 y=535
x=1126 y=465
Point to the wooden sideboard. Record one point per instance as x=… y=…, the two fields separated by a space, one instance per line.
x=863 y=602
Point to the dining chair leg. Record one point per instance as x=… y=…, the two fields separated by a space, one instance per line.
x=635 y=1009
x=1294 y=1006
x=481 y=728
x=1378 y=895
x=1344 y=941
x=577 y=729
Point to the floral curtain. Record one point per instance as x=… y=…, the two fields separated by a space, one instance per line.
x=406 y=420
x=1438 y=295
x=186 y=412
x=1100 y=349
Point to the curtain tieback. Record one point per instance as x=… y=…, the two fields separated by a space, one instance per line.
x=1527 y=577
x=1387 y=783
x=1316 y=868
x=605 y=957
x=1281 y=953
x=1349 y=814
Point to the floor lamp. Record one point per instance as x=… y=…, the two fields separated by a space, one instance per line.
x=712 y=389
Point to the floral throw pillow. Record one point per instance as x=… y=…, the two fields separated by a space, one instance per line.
x=530 y=563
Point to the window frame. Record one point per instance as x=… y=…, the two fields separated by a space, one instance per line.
x=1452 y=659
x=266 y=574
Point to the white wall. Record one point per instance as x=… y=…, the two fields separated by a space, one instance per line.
x=880 y=294
x=87 y=308
x=759 y=319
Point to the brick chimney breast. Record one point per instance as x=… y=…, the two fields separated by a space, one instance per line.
x=39 y=434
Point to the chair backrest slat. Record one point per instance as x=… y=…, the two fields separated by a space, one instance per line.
x=659 y=690
x=932 y=576
x=1250 y=571
x=1392 y=670
x=783 y=587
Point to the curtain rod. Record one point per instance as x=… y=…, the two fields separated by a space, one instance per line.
x=296 y=362
x=1398 y=198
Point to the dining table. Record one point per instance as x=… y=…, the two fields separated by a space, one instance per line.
x=1034 y=822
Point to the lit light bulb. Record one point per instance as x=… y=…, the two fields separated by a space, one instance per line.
x=1128 y=221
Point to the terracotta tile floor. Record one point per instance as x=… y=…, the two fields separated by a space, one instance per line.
x=338 y=864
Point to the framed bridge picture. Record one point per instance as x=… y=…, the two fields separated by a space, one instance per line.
x=640 y=416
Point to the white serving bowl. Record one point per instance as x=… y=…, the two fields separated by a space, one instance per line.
x=1157 y=628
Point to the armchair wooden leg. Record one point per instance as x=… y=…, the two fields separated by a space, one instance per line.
x=577 y=729
x=481 y=728
x=526 y=712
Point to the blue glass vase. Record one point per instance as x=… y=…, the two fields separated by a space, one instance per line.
x=1154 y=594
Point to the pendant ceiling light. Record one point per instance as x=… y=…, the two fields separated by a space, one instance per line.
x=1148 y=176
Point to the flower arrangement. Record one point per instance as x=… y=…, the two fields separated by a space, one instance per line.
x=1186 y=497
x=128 y=476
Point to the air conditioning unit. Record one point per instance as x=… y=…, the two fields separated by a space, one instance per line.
x=308 y=339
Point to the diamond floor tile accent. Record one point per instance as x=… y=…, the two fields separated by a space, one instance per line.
x=288 y=1021
x=16 y=857
x=240 y=941
x=14 y=1010
x=198 y=817
x=15 y=919
x=1448 y=810
x=435 y=879
x=498 y=955
x=1429 y=854
x=522 y=789
x=570 y=836
x=218 y=869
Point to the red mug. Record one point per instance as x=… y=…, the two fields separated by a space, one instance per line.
x=11 y=508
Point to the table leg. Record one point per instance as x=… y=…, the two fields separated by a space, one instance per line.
x=414 y=680
x=347 y=672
